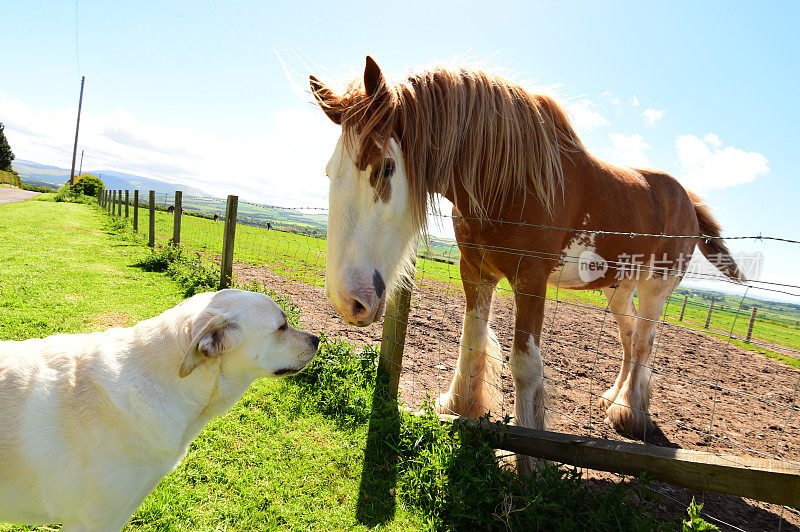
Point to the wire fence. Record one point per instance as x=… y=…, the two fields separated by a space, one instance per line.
x=724 y=370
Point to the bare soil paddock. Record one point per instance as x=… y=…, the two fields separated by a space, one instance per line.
x=706 y=394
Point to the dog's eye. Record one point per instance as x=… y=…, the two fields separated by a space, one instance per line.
x=383 y=171
x=284 y=326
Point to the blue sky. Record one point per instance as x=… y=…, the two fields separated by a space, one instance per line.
x=211 y=93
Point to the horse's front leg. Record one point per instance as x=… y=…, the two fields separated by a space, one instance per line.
x=527 y=368
x=475 y=388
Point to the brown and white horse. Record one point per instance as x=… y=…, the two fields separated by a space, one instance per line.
x=530 y=205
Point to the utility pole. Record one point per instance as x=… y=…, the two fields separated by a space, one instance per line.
x=77 y=127
x=80 y=169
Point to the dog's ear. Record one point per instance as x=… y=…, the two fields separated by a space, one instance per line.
x=211 y=335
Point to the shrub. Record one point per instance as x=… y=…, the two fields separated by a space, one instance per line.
x=66 y=194
x=31 y=188
x=189 y=270
x=10 y=178
x=88 y=185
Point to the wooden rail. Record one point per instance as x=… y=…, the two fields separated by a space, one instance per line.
x=762 y=479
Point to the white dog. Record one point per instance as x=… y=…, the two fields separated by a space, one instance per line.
x=90 y=423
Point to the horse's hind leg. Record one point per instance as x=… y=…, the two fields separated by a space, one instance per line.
x=475 y=388
x=629 y=412
x=620 y=304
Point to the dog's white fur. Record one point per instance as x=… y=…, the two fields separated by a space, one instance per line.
x=90 y=423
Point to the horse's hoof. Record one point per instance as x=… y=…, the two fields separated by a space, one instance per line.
x=627 y=420
x=444 y=404
x=607 y=399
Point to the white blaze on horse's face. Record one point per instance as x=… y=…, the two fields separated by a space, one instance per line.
x=370 y=233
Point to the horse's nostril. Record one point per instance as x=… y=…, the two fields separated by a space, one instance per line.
x=358 y=307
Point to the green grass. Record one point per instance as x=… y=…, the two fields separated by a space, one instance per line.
x=64 y=272
x=320 y=451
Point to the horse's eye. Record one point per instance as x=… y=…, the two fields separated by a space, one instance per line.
x=384 y=171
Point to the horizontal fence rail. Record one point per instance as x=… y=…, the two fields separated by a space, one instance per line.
x=724 y=368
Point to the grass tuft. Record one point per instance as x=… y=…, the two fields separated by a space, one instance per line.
x=193 y=273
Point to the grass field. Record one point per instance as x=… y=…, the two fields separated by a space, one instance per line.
x=320 y=451
x=62 y=272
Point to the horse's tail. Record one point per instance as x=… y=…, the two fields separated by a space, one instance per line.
x=711 y=243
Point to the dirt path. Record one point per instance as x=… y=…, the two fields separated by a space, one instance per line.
x=12 y=195
x=706 y=395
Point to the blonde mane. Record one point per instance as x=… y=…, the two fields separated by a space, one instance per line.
x=462 y=130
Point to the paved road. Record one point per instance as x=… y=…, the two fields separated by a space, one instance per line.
x=10 y=195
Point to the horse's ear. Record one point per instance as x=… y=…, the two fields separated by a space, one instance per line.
x=374 y=83
x=326 y=99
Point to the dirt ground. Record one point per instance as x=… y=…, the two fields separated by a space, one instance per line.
x=706 y=395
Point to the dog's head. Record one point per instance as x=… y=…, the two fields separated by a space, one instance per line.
x=248 y=333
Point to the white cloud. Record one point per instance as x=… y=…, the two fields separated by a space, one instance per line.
x=712 y=139
x=285 y=165
x=651 y=116
x=585 y=115
x=706 y=164
x=634 y=101
x=628 y=150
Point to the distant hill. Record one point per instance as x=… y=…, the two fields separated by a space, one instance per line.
x=42 y=175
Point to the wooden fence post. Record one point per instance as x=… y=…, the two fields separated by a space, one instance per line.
x=393 y=336
x=151 y=239
x=135 y=211
x=226 y=271
x=114 y=203
x=127 y=203
x=119 y=203
x=176 y=220
x=683 y=308
x=710 y=310
x=750 y=327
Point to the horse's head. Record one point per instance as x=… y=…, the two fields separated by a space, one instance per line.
x=370 y=230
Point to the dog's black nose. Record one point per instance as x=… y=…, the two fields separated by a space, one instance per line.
x=315 y=341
